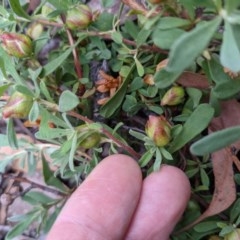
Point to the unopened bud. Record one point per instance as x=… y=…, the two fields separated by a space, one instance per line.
x=91 y=139
x=18 y=106
x=173 y=96
x=15 y=44
x=159 y=130
x=79 y=17
x=35 y=30
x=234 y=235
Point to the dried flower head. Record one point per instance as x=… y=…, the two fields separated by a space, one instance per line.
x=107 y=83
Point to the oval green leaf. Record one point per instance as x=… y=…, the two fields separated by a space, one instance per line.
x=68 y=101
x=216 y=141
x=184 y=52
x=194 y=125
x=230 y=49
x=17 y=9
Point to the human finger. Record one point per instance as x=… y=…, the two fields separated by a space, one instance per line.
x=163 y=199
x=102 y=207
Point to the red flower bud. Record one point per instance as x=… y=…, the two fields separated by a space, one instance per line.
x=79 y=17
x=18 y=106
x=15 y=44
x=159 y=130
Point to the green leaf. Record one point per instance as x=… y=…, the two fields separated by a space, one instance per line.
x=142 y=36
x=51 y=219
x=184 y=52
x=195 y=95
x=49 y=177
x=206 y=226
x=140 y=68
x=108 y=109
x=54 y=64
x=34 y=112
x=204 y=177
x=45 y=91
x=12 y=139
x=138 y=135
x=104 y=22
x=231 y=5
x=194 y=125
x=158 y=160
x=59 y=4
x=17 y=9
x=146 y=158
x=131 y=28
x=226 y=230
x=235 y=211
x=34 y=197
x=190 y=173
x=225 y=90
x=72 y=151
x=27 y=220
x=117 y=37
x=156 y=109
x=172 y=22
x=9 y=66
x=216 y=71
x=164 y=79
x=107 y=3
x=167 y=155
x=4 y=88
x=166 y=38
x=216 y=141
x=24 y=90
x=230 y=49
x=68 y=101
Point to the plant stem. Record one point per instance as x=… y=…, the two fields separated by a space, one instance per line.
x=108 y=134
x=75 y=55
x=150 y=48
x=77 y=62
x=34 y=184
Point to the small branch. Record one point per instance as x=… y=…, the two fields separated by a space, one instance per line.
x=35 y=185
x=106 y=36
x=136 y=6
x=108 y=134
x=77 y=63
x=46 y=22
x=75 y=55
x=151 y=48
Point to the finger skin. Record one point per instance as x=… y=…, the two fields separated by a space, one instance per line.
x=102 y=207
x=163 y=199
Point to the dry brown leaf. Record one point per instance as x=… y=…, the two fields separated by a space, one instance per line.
x=195 y=80
x=225 y=190
x=230 y=116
